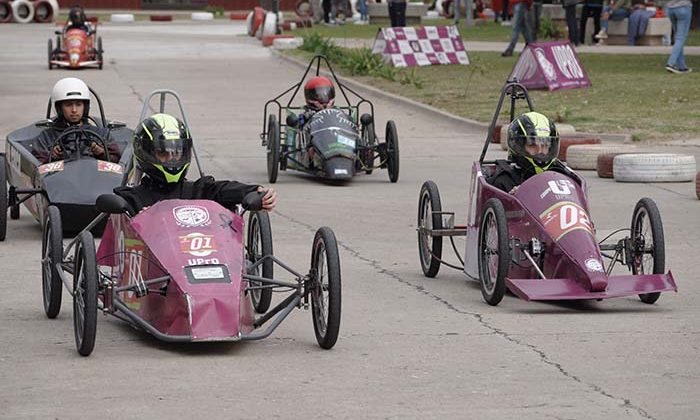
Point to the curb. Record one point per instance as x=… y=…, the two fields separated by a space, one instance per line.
x=473 y=124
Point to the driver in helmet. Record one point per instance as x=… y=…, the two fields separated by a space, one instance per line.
x=533 y=146
x=71 y=99
x=162 y=152
x=319 y=94
x=77 y=20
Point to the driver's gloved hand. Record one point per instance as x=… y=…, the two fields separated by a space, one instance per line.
x=56 y=152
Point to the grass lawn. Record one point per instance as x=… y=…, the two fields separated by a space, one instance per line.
x=630 y=94
x=488 y=31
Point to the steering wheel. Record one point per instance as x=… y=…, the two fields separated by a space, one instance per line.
x=81 y=133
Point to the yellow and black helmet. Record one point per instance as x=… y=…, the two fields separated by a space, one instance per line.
x=163 y=148
x=533 y=129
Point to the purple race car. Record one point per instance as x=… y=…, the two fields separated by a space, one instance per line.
x=186 y=270
x=539 y=242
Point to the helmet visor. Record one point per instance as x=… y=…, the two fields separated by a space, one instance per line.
x=168 y=153
x=322 y=94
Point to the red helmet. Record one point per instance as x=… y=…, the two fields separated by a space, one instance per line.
x=319 y=92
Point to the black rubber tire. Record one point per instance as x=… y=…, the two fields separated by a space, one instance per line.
x=367 y=139
x=273 y=148
x=259 y=244
x=85 y=294
x=429 y=248
x=3 y=199
x=50 y=54
x=493 y=219
x=646 y=213
x=99 y=52
x=51 y=252
x=325 y=266
x=392 y=151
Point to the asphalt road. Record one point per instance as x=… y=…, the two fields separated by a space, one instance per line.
x=410 y=347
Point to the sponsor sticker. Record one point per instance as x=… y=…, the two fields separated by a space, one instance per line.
x=340 y=171
x=593 y=265
x=51 y=167
x=346 y=140
x=191 y=216
x=197 y=244
x=564 y=217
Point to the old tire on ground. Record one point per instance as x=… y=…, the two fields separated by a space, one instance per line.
x=22 y=11
x=258 y=19
x=429 y=247
x=303 y=9
x=494 y=252
x=52 y=253
x=43 y=11
x=570 y=140
x=585 y=156
x=654 y=167
x=647 y=233
x=202 y=16
x=85 y=294
x=161 y=18
x=604 y=165
x=273 y=148
x=270 y=25
x=392 y=151
x=121 y=17
x=326 y=289
x=5 y=11
x=697 y=185
x=259 y=244
x=249 y=24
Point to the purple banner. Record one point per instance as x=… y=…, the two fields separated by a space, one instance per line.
x=550 y=65
x=424 y=46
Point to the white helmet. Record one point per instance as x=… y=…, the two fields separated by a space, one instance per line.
x=70 y=88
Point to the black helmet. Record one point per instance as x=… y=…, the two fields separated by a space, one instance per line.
x=533 y=129
x=163 y=148
x=319 y=93
x=77 y=15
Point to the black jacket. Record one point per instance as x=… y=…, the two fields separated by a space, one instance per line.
x=507 y=175
x=226 y=193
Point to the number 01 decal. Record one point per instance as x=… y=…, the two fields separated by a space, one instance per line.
x=565 y=217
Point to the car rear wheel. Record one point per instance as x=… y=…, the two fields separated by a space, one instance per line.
x=429 y=247
x=649 y=254
x=259 y=244
x=273 y=148
x=85 y=294
x=50 y=53
x=3 y=199
x=99 y=52
x=325 y=290
x=392 y=151
x=52 y=254
x=494 y=252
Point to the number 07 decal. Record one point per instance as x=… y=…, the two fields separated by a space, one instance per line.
x=565 y=217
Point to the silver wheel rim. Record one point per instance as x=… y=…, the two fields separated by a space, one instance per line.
x=255 y=245
x=321 y=294
x=79 y=298
x=46 y=265
x=426 y=243
x=644 y=261
x=490 y=252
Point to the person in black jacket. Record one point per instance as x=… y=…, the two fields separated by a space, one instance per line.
x=71 y=99
x=162 y=152
x=594 y=9
x=533 y=146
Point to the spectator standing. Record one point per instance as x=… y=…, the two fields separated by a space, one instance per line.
x=680 y=13
x=570 y=11
x=591 y=9
x=397 y=13
x=521 y=23
x=535 y=13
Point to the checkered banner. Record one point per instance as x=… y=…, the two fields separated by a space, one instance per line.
x=425 y=46
x=550 y=65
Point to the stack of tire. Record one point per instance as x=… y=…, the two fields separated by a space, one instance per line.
x=266 y=26
x=28 y=11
